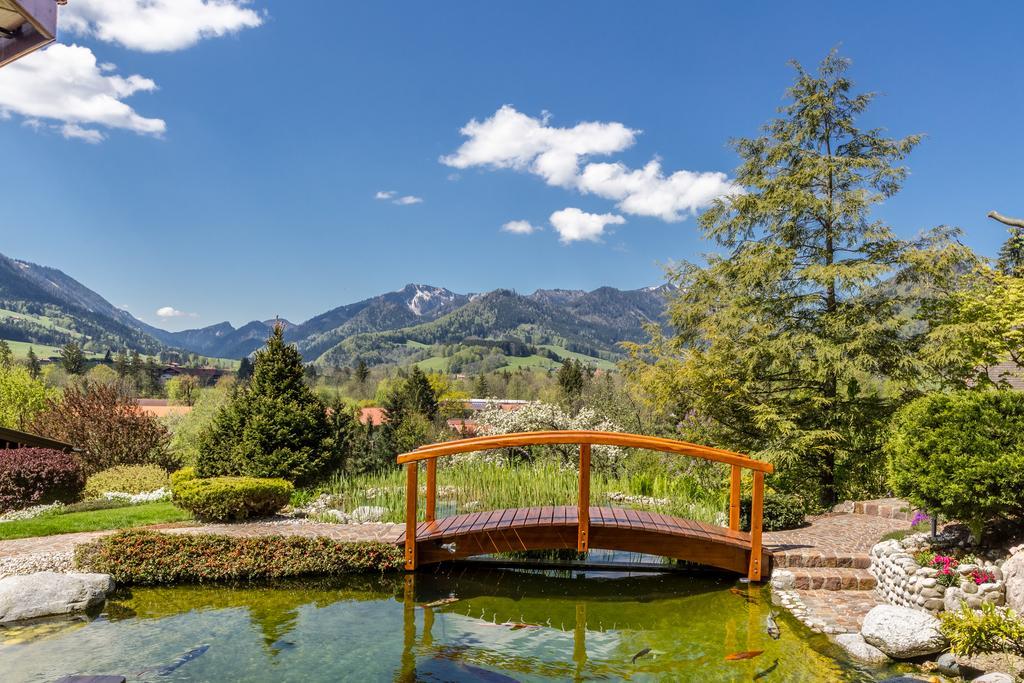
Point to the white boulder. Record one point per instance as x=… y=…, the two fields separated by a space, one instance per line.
x=49 y=593
x=903 y=633
x=994 y=677
x=1013 y=578
x=860 y=649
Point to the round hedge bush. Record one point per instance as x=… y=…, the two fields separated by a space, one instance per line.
x=38 y=476
x=131 y=479
x=231 y=499
x=781 y=511
x=960 y=454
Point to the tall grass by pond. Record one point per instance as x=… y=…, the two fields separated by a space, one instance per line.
x=477 y=486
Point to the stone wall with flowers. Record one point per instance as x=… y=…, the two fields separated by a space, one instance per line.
x=941 y=584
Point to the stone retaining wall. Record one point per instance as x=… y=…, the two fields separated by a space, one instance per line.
x=901 y=581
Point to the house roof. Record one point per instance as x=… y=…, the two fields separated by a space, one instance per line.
x=373 y=415
x=12 y=438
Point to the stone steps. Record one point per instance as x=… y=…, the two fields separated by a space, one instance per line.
x=832 y=579
x=888 y=508
x=789 y=559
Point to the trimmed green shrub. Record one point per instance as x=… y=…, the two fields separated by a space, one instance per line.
x=181 y=476
x=224 y=499
x=272 y=427
x=93 y=504
x=991 y=630
x=781 y=511
x=38 y=476
x=147 y=557
x=960 y=454
x=127 y=479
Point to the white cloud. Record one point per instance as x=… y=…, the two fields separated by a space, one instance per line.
x=408 y=199
x=510 y=139
x=520 y=227
x=574 y=225
x=392 y=196
x=157 y=25
x=384 y=194
x=172 y=312
x=65 y=84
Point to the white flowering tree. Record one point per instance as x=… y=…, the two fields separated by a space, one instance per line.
x=536 y=417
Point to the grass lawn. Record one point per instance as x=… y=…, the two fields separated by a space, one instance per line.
x=599 y=363
x=94 y=520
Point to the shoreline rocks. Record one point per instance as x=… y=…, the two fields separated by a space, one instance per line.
x=902 y=632
x=46 y=594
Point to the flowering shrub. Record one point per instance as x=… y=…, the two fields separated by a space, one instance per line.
x=992 y=629
x=220 y=499
x=919 y=518
x=536 y=416
x=948 y=575
x=37 y=476
x=126 y=479
x=980 y=576
x=147 y=557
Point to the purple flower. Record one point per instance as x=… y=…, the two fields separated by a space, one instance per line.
x=919 y=517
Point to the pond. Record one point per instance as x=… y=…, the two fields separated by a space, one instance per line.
x=456 y=623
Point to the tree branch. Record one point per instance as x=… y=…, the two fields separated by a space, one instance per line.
x=1014 y=222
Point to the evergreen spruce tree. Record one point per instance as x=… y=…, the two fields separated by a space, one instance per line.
x=571 y=380
x=480 y=387
x=362 y=372
x=274 y=426
x=108 y=358
x=244 y=369
x=34 y=369
x=72 y=359
x=1011 y=254
x=793 y=343
x=121 y=364
x=6 y=356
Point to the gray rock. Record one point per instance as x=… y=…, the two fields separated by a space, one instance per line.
x=947 y=664
x=861 y=650
x=49 y=593
x=1013 y=578
x=783 y=579
x=904 y=679
x=903 y=633
x=994 y=677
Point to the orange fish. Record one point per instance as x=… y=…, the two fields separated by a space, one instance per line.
x=749 y=654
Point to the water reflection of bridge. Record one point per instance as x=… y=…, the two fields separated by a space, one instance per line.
x=583 y=526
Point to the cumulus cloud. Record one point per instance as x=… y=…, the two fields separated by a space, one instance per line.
x=408 y=199
x=157 y=25
x=172 y=312
x=384 y=194
x=392 y=196
x=511 y=139
x=520 y=227
x=573 y=225
x=64 y=83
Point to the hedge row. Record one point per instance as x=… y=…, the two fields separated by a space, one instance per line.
x=38 y=476
x=148 y=558
x=230 y=499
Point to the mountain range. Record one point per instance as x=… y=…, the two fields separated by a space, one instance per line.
x=418 y=323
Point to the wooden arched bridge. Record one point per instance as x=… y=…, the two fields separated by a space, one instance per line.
x=583 y=526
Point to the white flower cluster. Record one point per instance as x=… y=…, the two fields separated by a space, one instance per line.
x=537 y=416
x=29 y=512
x=134 y=498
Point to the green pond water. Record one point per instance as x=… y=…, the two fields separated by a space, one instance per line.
x=498 y=625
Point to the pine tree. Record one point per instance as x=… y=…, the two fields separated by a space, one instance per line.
x=1011 y=254
x=362 y=372
x=121 y=363
x=794 y=343
x=107 y=358
x=244 y=369
x=480 y=387
x=72 y=358
x=274 y=426
x=34 y=369
x=571 y=380
x=6 y=356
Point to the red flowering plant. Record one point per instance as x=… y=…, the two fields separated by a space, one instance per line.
x=980 y=576
x=948 y=575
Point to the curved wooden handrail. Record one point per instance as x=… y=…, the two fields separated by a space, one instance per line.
x=654 y=443
x=585 y=439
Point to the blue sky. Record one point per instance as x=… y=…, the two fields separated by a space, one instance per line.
x=239 y=178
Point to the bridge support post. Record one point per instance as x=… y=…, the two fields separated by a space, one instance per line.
x=412 y=492
x=431 y=511
x=756 y=514
x=735 y=482
x=583 y=534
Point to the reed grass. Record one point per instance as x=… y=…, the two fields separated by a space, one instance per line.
x=478 y=486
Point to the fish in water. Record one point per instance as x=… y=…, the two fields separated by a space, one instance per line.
x=761 y=674
x=772 y=626
x=738 y=656
x=638 y=655
x=177 y=664
x=443 y=601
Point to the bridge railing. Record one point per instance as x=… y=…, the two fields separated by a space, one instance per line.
x=585 y=440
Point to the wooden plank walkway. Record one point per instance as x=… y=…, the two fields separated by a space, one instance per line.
x=555 y=528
